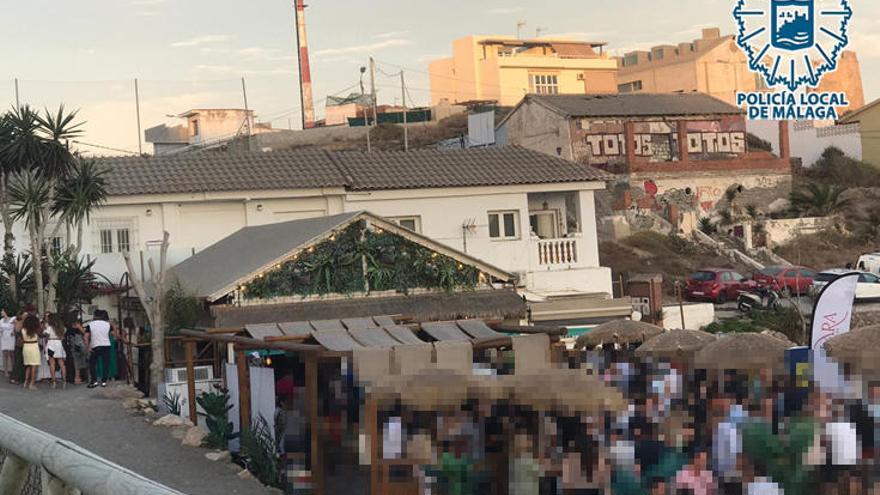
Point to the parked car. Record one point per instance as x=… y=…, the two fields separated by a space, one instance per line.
x=869 y=263
x=867 y=288
x=789 y=279
x=717 y=284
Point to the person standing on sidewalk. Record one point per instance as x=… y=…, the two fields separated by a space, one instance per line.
x=97 y=338
x=55 y=353
x=7 y=341
x=30 y=334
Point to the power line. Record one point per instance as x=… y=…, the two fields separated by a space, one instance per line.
x=108 y=148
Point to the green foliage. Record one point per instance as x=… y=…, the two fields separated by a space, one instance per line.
x=706 y=226
x=755 y=143
x=75 y=278
x=336 y=266
x=752 y=211
x=819 y=200
x=182 y=310
x=258 y=453
x=216 y=408
x=834 y=167
x=172 y=401
x=784 y=320
x=682 y=246
x=19 y=268
x=85 y=190
x=731 y=193
x=781 y=455
x=726 y=218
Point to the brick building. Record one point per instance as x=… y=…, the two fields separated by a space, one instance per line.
x=692 y=145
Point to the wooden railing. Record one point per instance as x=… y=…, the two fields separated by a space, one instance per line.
x=557 y=252
x=64 y=467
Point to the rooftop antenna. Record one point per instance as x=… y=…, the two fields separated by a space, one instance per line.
x=539 y=31
x=519 y=26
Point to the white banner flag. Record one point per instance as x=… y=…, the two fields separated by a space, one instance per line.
x=832 y=314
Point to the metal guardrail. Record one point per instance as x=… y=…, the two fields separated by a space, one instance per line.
x=62 y=467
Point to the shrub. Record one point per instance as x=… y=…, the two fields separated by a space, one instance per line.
x=756 y=143
x=216 y=413
x=258 y=453
x=172 y=402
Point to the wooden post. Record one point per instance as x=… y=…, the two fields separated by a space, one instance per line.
x=244 y=389
x=372 y=430
x=316 y=453
x=14 y=474
x=191 y=381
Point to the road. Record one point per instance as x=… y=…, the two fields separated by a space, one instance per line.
x=728 y=310
x=103 y=426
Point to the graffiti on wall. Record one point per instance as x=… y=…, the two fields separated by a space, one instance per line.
x=601 y=142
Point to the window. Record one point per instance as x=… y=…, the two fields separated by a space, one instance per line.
x=56 y=245
x=658 y=54
x=106 y=241
x=544 y=84
x=503 y=225
x=115 y=235
x=193 y=128
x=630 y=87
x=413 y=223
x=123 y=244
x=630 y=59
x=807 y=273
x=867 y=278
x=737 y=277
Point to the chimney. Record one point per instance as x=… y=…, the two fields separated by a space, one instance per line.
x=305 y=72
x=711 y=33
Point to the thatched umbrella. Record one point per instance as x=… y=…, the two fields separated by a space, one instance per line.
x=779 y=335
x=568 y=392
x=859 y=348
x=675 y=344
x=618 y=332
x=742 y=351
x=431 y=390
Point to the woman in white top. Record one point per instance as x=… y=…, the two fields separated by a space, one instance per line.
x=55 y=348
x=7 y=341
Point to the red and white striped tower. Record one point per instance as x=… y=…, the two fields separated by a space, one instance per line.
x=305 y=72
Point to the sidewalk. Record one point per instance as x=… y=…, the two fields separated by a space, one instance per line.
x=103 y=426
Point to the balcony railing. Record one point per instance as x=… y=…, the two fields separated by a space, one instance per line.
x=557 y=252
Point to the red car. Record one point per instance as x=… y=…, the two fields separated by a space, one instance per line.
x=789 y=279
x=717 y=284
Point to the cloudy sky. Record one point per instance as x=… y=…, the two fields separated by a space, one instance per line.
x=193 y=53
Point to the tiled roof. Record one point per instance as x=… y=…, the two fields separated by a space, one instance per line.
x=501 y=166
x=636 y=105
x=219 y=171
x=306 y=169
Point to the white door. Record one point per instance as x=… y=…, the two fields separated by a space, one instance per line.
x=544 y=224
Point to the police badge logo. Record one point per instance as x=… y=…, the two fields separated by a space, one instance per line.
x=792 y=43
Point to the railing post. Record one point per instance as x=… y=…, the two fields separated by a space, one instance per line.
x=14 y=474
x=54 y=486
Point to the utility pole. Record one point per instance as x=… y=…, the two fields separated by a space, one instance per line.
x=373 y=96
x=247 y=110
x=137 y=106
x=17 y=101
x=405 y=129
x=519 y=26
x=366 y=115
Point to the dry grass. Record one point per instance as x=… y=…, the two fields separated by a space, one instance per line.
x=825 y=250
x=672 y=257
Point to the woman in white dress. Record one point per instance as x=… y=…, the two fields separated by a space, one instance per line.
x=55 y=348
x=7 y=341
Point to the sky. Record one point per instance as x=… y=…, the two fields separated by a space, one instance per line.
x=193 y=53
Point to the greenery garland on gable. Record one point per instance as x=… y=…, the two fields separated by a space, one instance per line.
x=336 y=266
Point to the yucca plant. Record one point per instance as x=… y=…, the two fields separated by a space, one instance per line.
x=819 y=200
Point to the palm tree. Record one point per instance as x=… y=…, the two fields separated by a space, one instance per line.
x=40 y=148
x=819 y=200
x=84 y=190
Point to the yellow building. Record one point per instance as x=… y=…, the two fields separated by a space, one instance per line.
x=868 y=119
x=505 y=69
x=715 y=65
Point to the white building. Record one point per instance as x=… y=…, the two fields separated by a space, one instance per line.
x=204 y=128
x=527 y=213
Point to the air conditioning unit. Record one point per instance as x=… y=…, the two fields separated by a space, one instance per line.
x=178 y=375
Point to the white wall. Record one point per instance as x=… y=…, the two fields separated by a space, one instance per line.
x=696 y=316
x=808 y=142
x=196 y=221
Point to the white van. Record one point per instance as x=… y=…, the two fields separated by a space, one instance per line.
x=869 y=263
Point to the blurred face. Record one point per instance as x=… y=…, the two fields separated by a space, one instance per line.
x=701 y=461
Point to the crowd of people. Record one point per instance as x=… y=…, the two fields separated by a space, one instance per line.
x=58 y=348
x=683 y=432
